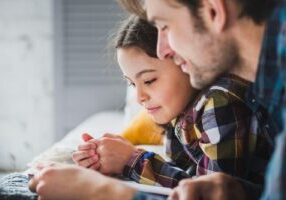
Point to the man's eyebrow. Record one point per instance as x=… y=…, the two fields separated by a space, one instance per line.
x=153 y=19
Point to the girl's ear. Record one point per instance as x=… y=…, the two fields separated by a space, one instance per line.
x=215 y=14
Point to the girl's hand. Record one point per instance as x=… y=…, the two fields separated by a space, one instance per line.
x=114 y=153
x=86 y=155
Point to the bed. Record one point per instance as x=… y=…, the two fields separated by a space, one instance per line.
x=14 y=186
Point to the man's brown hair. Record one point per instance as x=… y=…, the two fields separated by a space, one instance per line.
x=257 y=10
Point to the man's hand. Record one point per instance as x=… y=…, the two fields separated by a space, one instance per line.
x=216 y=186
x=68 y=182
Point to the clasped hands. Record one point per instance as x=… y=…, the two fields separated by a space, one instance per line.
x=108 y=154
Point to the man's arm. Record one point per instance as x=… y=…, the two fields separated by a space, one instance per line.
x=67 y=182
x=276 y=177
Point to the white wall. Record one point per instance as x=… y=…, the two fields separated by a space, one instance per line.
x=26 y=80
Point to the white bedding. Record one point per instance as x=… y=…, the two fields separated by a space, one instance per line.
x=97 y=125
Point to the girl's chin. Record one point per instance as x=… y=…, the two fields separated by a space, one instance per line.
x=160 y=121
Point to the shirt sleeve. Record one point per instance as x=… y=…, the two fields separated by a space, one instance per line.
x=276 y=177
x=149 y=168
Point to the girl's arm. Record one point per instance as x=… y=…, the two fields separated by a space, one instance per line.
x=149 y=168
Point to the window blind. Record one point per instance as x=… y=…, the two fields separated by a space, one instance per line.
x=90 y=80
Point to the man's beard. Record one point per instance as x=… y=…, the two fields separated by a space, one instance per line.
x=226 y=58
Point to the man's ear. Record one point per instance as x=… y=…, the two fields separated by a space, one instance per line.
x=215 y=12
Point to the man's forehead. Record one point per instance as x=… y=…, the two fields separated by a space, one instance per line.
x=156 y=9
x=154 y=19
x=167 y=3
x=153 y=10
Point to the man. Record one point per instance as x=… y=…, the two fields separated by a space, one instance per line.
x=211 y=37
x=215 y=37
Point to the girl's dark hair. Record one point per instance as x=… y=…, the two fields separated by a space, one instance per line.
x=257 y=10
x=137 y=32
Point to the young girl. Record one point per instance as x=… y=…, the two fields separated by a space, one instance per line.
x=156 y=82
x=215 y=132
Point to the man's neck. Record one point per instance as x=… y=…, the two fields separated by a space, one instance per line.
x=249 y=38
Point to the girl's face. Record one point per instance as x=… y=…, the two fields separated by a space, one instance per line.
x=162 y=88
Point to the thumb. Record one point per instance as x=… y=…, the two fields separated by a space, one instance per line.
x=86 y=137
x=110 y=135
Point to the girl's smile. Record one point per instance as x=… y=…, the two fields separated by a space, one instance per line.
x=161 y=86
x=153 y=110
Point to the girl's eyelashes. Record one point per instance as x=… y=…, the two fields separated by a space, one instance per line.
x=149 y=82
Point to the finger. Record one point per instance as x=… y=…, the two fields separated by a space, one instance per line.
x=33 y=184
x=174 y=195
x=110 y=135
x=95 y=166
x=39 y=190
x=86 y=146
x=86 y=137
x=80 y=155
x=189 y=190
x=40 y=198
x=42 y=165
x=88 y=162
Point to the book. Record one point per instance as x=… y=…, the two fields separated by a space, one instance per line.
x=149 y=188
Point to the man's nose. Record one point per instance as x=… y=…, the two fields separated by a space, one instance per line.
x=163 y=48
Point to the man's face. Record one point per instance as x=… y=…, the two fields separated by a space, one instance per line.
x=205 y=54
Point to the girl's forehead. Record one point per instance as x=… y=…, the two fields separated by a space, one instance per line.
x=132 y=61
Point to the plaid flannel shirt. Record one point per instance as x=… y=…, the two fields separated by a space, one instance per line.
x=217 y=133
x=269 y=91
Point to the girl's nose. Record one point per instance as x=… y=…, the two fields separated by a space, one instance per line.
x=142 y=96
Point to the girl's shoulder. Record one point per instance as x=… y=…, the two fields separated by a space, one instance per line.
x=225 y=90
x=224 y=95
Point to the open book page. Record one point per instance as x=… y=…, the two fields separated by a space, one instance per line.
x=149 y=188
